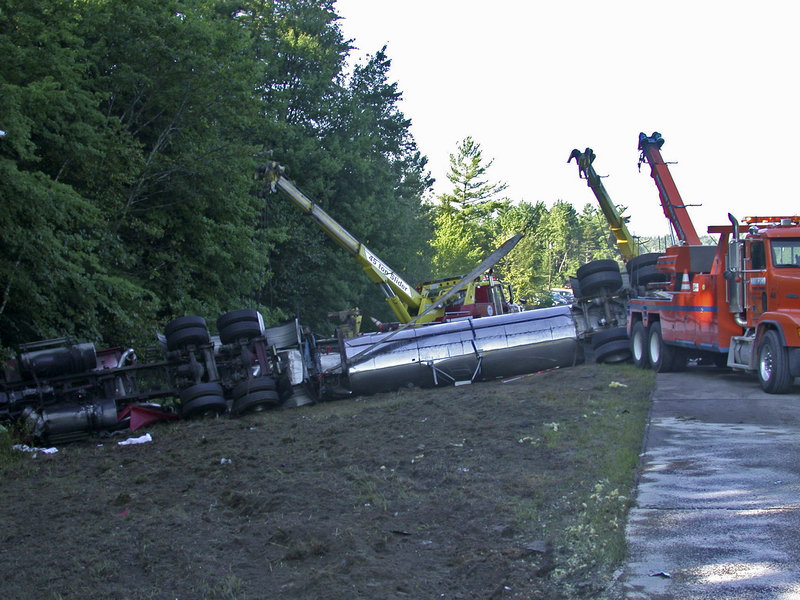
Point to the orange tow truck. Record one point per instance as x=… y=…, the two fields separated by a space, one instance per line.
x=735 y=304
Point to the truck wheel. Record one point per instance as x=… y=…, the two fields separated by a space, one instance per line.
x=594 y=283
x=240 y=324
x=242 y=330
x=639 y=345
x=613 y=352
x=235 y=316
x=643 y=260
x=256 y=402
x=257 y=384
x=773 y=365
x=611 y=345
x=203 y=399
x=596 y=266
x=660 y=355
x=647 y=274
x=187 y=336
x=182 y=323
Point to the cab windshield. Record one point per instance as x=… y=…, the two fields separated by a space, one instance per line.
x=785 y=252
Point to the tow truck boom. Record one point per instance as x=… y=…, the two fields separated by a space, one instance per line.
x=616 y=221
x=671 y=201
x=399 y=293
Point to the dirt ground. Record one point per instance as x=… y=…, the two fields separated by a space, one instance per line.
x=493 y=490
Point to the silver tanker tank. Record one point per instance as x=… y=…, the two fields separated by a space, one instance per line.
x=463 y=351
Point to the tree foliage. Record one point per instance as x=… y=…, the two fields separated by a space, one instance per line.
x=126 y=175
x=466 y=218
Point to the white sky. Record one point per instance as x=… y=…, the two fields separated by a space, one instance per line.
x=531 y=80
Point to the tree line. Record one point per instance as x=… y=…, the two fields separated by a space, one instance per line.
x=133 y=129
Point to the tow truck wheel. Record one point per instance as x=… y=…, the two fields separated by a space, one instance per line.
x=661 y=355
x=773 y=365
x=639 y=345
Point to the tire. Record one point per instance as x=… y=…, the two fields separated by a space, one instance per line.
x=609 y=335
x=773 y=364
x=203 y=399
x=597 y=266
x=639 y=345
x=594 y=283
x=246 y=330
x=615 y=351
x=234 y=316
x=256 y=402
x=647 y=274
x=660 y=355
x=643 y=260
x=257 y=384
x=183 y=323
x=188 y=336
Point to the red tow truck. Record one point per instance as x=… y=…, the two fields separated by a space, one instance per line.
x=735 y=304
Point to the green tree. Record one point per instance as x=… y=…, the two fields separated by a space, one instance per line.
x=523 y=267
x=465 y=220
x=54 y=278
x=597 y=241
x=133 y=133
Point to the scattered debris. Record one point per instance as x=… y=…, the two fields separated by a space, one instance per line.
x=617 y=384
x=25 y=448
x=140 y=440
x=663 y=574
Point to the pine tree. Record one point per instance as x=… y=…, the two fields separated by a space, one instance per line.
x=465 y=220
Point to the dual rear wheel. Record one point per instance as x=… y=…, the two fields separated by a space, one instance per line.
x=648 y=349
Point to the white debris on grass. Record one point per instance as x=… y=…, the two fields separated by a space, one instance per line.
x=138 y=440
x=34 y=450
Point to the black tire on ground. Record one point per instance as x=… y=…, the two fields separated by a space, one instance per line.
x=594 y=283
x=202 y=399
x=234 y=316
x=615 y=351
x=660 y=355
x=256 y=401
x=639 y=345
x=773 y=364
x=185 y=337
x=257 y=384
x=609 y=335
x=596 y=266
x=183 y=323
x=241 y=330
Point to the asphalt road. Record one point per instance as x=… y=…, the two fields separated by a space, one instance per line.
x=717 y=512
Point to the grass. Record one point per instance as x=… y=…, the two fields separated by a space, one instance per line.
x=602 y=434
x=324 y=497
x=7 y=455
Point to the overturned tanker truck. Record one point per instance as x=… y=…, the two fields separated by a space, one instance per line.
x=451 y=331
x=461 y=329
